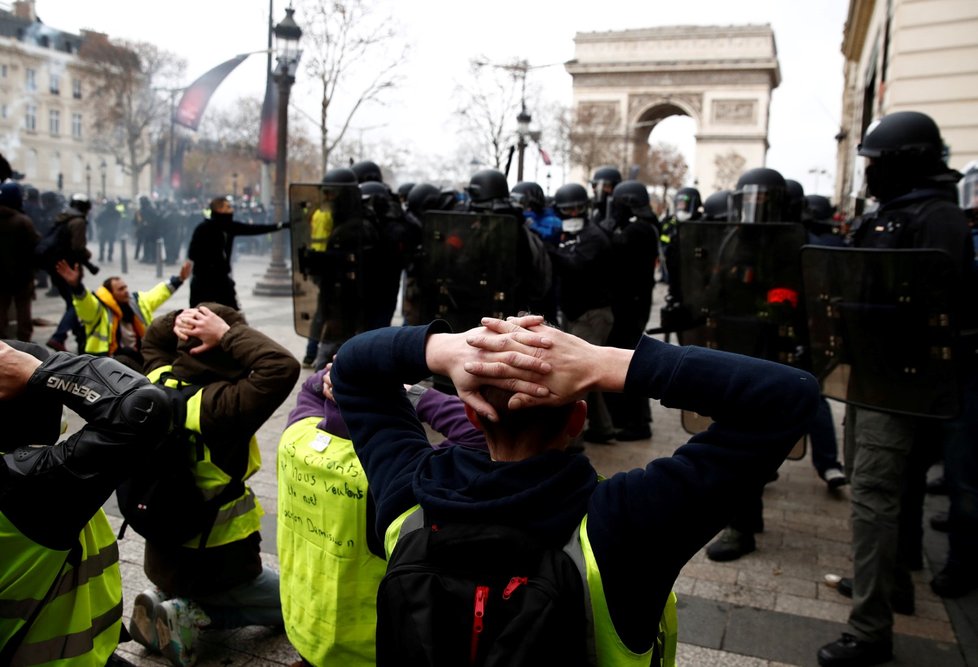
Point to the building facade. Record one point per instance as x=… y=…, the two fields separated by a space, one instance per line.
x=908 y=55
x=46 y=109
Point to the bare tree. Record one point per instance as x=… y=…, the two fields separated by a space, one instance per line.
x=664 y=165
x=594 y=136
x=489 y=100
x=354 y=55
x=128 y=78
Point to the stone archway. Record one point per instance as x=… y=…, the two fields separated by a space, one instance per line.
x=720 y=76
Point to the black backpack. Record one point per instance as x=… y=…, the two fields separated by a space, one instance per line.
x=161 y=500
x=54 y=245
x=458 y=594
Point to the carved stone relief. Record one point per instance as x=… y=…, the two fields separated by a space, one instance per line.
x=734 y=112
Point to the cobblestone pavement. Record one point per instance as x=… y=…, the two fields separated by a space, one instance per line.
x=768 y=609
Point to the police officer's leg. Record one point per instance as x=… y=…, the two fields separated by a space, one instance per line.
x=961 y=471
x=882 y=444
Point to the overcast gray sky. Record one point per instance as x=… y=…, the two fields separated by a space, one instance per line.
x=445 y=34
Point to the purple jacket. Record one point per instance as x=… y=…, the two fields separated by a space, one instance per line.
x=443 y=412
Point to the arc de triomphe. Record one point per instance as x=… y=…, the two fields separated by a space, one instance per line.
x=720 y=76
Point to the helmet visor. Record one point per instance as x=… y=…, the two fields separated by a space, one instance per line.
x=757 y=203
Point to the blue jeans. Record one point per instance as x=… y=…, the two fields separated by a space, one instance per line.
x=254 y=603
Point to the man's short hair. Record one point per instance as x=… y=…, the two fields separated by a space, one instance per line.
x=218 y=201
x=547 y=421
x=107 y=283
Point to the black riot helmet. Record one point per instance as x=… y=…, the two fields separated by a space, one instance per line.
x=81 y=203
x=603 y=182
x=403 y=190
x=367 y=171
x=630 y=199
x=687 y=204
x=377 y=197
x=759 y=196
x=486 y=187
x=716 y=208
x=905 y=151
x=571 y=201
x=423 y=197
x=902 y=133
x=339 y=176
x=820 y=209
x=528 y=195
x=795 y=200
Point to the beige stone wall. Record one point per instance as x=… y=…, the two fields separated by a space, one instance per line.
x=931 y=66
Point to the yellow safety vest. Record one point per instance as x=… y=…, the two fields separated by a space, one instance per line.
x=79 y=625
x=610 y=651
x=237 y=518
x=320 y=227
x=100 y=315
x=328 y=577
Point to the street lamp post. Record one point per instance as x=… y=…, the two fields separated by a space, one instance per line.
x=522 y=130
x=88 y=180
x=101 y=168
x=277 y=280
x=234 y=186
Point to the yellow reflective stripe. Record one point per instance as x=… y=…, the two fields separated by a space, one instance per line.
x=70 y=646
x=665 y=238
x=90 y=568
x=239 y=507
x=394 y=530
x=193 y=412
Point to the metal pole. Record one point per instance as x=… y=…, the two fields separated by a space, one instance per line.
x=159 y=258
x=124 y=258
x=277 y=280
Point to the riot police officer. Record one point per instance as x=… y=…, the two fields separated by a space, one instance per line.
x=634 y=232
x=603 y=183
x=918 y=208
x=488 y=191
x=582 y=269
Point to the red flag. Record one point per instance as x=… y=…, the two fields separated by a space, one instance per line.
x=198 y=94
x=176 y=165
x=268 y=131
x=544 y=156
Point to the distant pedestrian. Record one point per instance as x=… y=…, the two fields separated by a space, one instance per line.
x=17 y=241
x=210 y=251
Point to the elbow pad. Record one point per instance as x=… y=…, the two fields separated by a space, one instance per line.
x=101 y=390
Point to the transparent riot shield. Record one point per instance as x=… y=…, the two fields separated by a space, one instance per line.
x=330 y=239
x=468 y=267
x=882 y=333
x=742 y=284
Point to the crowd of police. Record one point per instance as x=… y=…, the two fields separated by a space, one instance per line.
x=736 y=281
x=881 y=308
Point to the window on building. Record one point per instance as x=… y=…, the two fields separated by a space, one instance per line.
x=56 y=166
x=76 y=125
x=54 y=122
x=30 y=118
x=55 y=84
x=31 y=79
x=3 y=71
x=76 y=88
x=3 y=111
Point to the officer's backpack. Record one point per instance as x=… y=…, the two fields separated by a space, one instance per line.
x=458 y=594
x=54 y=244
x=161 y=500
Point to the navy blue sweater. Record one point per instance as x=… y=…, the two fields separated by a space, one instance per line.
x=644 y=524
